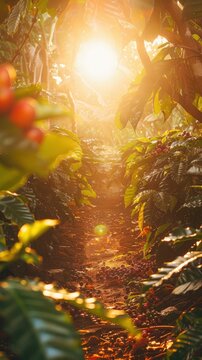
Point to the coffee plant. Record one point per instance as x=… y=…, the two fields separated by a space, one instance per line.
x=163 y=177
x=184 y=278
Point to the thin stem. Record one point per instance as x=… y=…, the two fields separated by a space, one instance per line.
x=44 y=49
x=157 y=327
x=157 y=356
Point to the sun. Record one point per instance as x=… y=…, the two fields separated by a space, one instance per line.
x=97 y=60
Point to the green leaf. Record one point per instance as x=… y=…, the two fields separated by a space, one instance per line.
x=54 y=148
x=119 y=121
x=2 y=239
x=132 y=105
x=164 y=202
x=194 y=202
x=92 y=306
x=172 y=268
x=58 y=146
x=199 y=187
x=163 y=103
x=36 y=329
x=135 y=210
x=48 y=110
x=141 y=216
x=89 y=193
x=129 y=195
x=161 y=229
x=11 y=178
x=157 y=104
x=26 y=91
x=189 y=280
x=144 y=196
x=180 y=235
x=31 y=232
x=195 y=170
x=188 y=341
x=17 y=14
x=27 y=234
x=42 y=5
x=15 y=210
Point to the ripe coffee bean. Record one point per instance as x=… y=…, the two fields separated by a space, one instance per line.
x=10 y=70
x=23 y=113
x=5 y=80
x=35 y=134
x=6 y=99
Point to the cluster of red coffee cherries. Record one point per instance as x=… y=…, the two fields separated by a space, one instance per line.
x=21 y=113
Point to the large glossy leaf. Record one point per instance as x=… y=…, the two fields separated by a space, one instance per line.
x=140 y=12
x=31 y=232
x=129 y=195
x=60 y=145
x=189 y=280
x=48 y=110
x=188 y=343
x=180 y=235
x=92 y=306
x=143 y=196
x=15 y=210
x=141 y=216
x=54 y=148
x=163 y=103
x=132 y=105
x=36 y=329
x=11 y=178
x=27 y=234
x=17 y=14
x=172 y=268
x=27 y=90
x=164 y=201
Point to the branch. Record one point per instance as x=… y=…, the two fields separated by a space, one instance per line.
x=144 y=57
x=172 y=37
x=175 y=39
x=183 y=28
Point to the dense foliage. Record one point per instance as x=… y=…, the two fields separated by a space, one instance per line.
x=44 y=327
x=47 y=170
x=163 y=175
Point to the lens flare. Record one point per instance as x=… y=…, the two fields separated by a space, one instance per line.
x=100 y=230
x=97 y=60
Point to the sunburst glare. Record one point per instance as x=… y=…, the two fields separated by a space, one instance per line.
x=97 y=60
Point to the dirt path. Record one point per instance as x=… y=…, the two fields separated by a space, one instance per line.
x=112 y=268
x=112 y=275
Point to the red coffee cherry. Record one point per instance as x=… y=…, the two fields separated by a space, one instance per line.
x=11 y=71
x=23 y=113
x=35 y=134
x=5 y=80
x=6 y=99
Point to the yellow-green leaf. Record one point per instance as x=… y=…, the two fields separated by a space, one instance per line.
x=30 y=232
